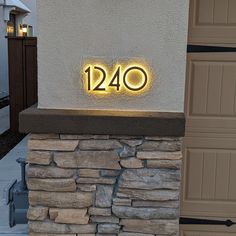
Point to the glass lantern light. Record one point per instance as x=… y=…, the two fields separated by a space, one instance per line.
x=24 y=30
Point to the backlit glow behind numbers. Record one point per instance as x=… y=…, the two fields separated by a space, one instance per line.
x=100 y=79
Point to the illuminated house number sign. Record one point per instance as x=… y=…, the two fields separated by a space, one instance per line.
x=130 y=78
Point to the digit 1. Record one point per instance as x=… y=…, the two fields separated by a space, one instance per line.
x=88 y=70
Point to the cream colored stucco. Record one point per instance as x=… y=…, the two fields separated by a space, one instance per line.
x=71 y=31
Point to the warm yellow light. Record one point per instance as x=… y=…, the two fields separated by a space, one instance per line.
x=24 y=28
x=10 y=30
x=130 y=78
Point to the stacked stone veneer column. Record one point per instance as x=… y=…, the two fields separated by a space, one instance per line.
x=103 y=185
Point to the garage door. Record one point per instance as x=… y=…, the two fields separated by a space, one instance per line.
x=208 y=202
x=209 y=172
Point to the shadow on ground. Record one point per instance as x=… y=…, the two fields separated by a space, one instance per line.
x=9 y=140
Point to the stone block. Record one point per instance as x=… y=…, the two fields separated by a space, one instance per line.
x=69 y=216
x=54 y=228
x=127 y=152
x=134 y=234
x=106 y=234
x=165 y=204
x=39 y=158
x=86 y=235
x=125 y=137
x=161 y=138
x=99 y=145
x=164 y=164
x=162 y=227
x=37 y=213
x=83 y=229
x=88 y=160
x=150 y=179
x=166 y=146
x=89 y=173
x=99 y=211
x=132 y=142
x=44 y=136
x=43 y=234
x=101 y=136
x=104 y=196
x=49 y=172
x=146 y=213
x=122 y=201
x=159 y=155
x=87 y=187
x=73 y=136
x=132 y=163
x=109 y=173
x=105 y=219
x=60 y=199
x=148 y=195
x=108 y=228
x=52 y=185
x=82 y=137
x=53 y=145
x=65 y=159
x=101 y=180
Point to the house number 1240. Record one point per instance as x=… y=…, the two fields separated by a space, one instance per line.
x=132 y=78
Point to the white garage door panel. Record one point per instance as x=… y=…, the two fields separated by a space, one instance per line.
x=209 y=177
x=211 y=92
x=212 y=21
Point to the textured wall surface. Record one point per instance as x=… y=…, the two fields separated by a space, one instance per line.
x=152 y=30
x=103 y=185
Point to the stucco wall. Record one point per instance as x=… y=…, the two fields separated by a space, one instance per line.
x=152 y=30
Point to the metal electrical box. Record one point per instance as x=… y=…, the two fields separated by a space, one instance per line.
x=16 y=196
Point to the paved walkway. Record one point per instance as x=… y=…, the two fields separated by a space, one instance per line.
x=10 y=170
x=4 y=119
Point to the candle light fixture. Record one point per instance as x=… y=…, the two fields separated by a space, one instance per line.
x=24 y=30
x=10 y=29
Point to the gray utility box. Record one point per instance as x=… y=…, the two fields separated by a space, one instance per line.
x=16 y=196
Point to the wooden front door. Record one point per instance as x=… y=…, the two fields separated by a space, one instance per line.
x=209 y=170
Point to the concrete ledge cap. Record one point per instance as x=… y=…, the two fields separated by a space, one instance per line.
x=34 y=120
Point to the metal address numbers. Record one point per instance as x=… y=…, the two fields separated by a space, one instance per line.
x=130 y=78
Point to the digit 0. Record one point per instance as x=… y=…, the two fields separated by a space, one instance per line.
x=130 y=70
